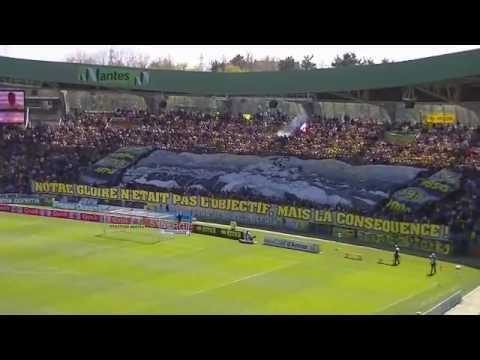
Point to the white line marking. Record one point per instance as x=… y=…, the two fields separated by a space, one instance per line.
x=442 y=301
x=37 y=272
x=471 y=293
x=404 y=299
x=194 y=251
x=244 y=278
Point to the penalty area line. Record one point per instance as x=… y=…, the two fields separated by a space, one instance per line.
x=244 y=278
x=193 y=251
x=405 y=299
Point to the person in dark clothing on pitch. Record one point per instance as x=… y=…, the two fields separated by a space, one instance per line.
x=396 y=256
x=248 y=239
x=433 y=264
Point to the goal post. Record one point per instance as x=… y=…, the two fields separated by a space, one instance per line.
x=123 y=227
x=122 y=223
x=142 y=230
x=173 y=232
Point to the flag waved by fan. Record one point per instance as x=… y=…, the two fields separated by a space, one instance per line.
x=304 y=127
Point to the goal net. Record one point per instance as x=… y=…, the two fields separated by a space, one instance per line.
x=135 y=233
x=139 y=230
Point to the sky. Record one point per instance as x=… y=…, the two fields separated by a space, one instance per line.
x=323 y=54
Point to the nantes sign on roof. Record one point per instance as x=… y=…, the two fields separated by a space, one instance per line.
x=112 y=76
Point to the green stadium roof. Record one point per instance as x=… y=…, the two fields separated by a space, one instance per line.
x=438 y=69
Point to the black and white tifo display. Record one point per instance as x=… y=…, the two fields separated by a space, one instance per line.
x=323 y=182
x=282 y=179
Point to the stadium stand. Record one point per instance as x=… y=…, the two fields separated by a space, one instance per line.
x=58 y=153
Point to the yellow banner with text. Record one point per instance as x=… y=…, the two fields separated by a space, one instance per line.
x=327 y=217
x=440 y=118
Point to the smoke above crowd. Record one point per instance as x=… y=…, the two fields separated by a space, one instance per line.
x=293 y=125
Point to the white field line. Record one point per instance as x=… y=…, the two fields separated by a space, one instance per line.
x=194 y=251
x=244 y=278
x=39 y=273
x=404 y=299
x=472 y=293
x=445 y=300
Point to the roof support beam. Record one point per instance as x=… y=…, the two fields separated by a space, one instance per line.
x=450 y=93
x=440 y=96
x=354 y=98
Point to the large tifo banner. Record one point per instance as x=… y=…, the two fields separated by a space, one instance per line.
x=108 y=171
x=267 y=211
x=281 y=179
x=425 y=191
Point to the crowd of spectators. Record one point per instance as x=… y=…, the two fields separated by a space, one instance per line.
x=31 y=154
x=352 y=140
x=342 y=139
x=436 y=147
x=472 y=159
x=61 y=152
x=175 y=131
x=358 y=141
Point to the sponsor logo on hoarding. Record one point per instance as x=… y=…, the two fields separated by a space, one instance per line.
x=20 y=200
x=61 y=214
x=90 y=217
x=113 y=76
x=120 y=220
x=220 y=232
x=292 y=244
x=31 y=211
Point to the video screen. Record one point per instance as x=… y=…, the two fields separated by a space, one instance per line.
x=12 y=107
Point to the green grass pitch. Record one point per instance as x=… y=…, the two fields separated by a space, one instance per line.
x=55 y=266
